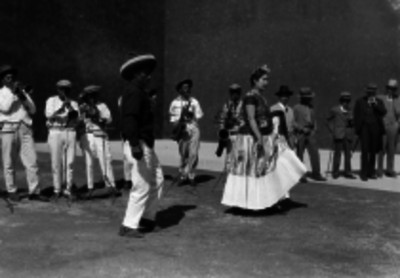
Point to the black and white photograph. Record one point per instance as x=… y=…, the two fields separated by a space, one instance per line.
x=209 y=138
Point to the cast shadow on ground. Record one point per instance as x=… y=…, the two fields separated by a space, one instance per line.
x=199 y=179
x=280 y=209
x=173 y=215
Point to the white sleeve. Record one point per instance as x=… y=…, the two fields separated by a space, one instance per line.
x=7 y=101
x=29 y=104
x=174 y=111
x=198 y=112
x=75 y=106
x=105 y=112
x=50 y=108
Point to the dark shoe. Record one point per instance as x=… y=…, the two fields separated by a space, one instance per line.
x=55 y=196
x=183 y=181
x=303 y=180
x=148 y=226
x=129 y=232
x=13 y=197
x=192 y=182
x=89 y=194
x=391 y=174
x=335 y=175
x=379 y=173
x=373 y=177
x=364 y=178
x=127 y=185
x=114 y=192
x=38 y=197
x=349 y=176
x=318 y=177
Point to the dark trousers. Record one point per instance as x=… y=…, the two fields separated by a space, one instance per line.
x=309 y=142
x=370 y=141
x=339 y=146
x=389 y=148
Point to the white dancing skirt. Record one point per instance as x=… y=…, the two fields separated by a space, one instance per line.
x=260 y=192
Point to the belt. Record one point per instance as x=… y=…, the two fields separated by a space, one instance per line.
x=11 y=123
x=61 y=128
x=14 y=125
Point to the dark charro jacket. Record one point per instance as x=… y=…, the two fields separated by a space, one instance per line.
x=340 y=123
x=137 y=118
x=367 y=116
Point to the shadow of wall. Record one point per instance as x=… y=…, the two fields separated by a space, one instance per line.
x=328 y=45
x=84 y=41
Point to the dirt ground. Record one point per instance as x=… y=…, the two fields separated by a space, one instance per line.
x=344 y=232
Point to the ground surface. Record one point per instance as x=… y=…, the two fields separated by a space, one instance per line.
x=344 y=232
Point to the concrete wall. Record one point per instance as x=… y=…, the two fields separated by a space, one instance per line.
x=84 y=41
x=328 y=45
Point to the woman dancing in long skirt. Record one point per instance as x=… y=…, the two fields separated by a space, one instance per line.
x=263 y=167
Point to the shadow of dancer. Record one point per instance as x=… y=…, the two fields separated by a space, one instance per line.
x=172 y=216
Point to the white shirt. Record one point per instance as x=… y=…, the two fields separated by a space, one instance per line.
x=53 y=104
x=12 y=109
x=178 y=103
x=104 y=113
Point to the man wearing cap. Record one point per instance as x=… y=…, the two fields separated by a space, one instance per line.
x=284 y=94
x=137 y=118
x=229 y=121
x=391 y=125
x=16 y=110
x=185 y=112
x=368 y=123
x=305 y=128
x=340 y=124
x=95 y=116
x=62 y=115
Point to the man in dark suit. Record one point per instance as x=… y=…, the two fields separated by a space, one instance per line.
x=340 y=124
x=368 y=123
x=391 y=124
x=305 y=128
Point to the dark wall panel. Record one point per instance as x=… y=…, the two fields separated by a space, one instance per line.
x=328 y=45
x=84 y=41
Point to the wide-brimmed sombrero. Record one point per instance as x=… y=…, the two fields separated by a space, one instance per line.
x=142 y=62
x=91 y=89
x=64 y=83
x=183 y=82
x=306 y=92
x=284 y=91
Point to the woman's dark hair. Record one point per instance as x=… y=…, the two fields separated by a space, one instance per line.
x=258 y=73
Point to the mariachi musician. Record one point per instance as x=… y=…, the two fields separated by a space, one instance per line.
x=229 y=120
x=185 y=111
x=16 y=110
x=95 y=116
x=62 y=115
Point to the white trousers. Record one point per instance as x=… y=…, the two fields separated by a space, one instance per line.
x=126 y=165
x=189 y=151
x=148 y=180
x=18 y=138
x=96 y=146
x=62 y=143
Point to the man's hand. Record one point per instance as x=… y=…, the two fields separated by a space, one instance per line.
x=137 y=152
